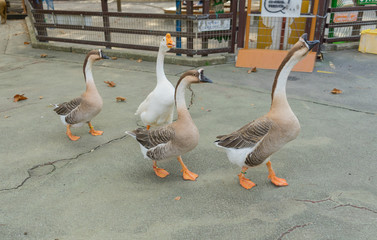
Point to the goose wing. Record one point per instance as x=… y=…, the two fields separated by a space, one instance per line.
x=247 y=136
x=152 y=138
x=144 y=105
x=67 y=107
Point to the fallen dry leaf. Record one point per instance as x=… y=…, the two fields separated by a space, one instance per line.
x=110 y=83
x=332 y=65
x=253 y=69
x=6 y=116
x=202 y=108
x=43 y=55
x=120 y=99
x=26 y=43
x=40 y=97
x=114 y=58
x=177 y=198
x=19 y=97
x=336 y=91
x=139 y=60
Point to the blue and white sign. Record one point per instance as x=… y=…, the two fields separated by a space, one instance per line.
x=281 y=8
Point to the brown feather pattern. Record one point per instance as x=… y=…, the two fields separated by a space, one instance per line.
x=152 y=138
x=247 y=136
x=67 y=107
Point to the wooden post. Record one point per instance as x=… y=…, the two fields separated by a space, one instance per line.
x=323 y=6
x=106 y=22
x=233 y=9
x=119 y=5
x=247 y=27
x=206 y=5
x=39 y=18
x=190 y=26
x=241 y=23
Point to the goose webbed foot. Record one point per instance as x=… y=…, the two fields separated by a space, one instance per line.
x=69 y=134
x=187 y=174
x=160 y=172
x=94 y=132
x=280 y=182
x=245 y=182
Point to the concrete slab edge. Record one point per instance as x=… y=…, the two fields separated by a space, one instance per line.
x=340 y=46
x=151 y=56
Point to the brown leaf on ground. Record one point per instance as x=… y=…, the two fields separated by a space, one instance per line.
x=19 y=97
x=177 y=198
x=6 y=116
x=139 y=60
x=43 y=55
x=40 y=97
x=26 y=43
x=336 y=91
x=121 y=99
x=252 y=69
x=110 y=83
x=114 y=58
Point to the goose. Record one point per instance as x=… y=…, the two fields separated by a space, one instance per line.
x=83 y=109
x=254 y=143
x=177 y=138
x=157 y=109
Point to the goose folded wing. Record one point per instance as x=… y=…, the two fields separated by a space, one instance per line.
x=67 y=107
x=247 y=136
x=152 y=138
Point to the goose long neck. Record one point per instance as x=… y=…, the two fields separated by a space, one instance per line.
x=90 y=85
x=280 y=82
x=160 y=66
x=180 y=100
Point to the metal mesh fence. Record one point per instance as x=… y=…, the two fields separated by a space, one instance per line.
x=135 y=30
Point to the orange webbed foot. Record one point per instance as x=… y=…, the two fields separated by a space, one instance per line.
x=188 y=175
x=95 y=132
x=245 y=182
x=73 y=138
x=280 y=182
x=160 y=172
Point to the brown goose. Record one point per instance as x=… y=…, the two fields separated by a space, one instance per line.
x=84 y=108
x=174 y=139
x=254 y=143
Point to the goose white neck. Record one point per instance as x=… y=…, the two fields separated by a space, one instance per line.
x=89 y=76
x=280 y=88
x=160 y=65
x=180 y=96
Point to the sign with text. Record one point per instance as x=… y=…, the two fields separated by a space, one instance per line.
x=345 y=17
x=365 y=2
x=213 y=24
x=281 y=8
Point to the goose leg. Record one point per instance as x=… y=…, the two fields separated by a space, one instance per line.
x=159 y=171
x=69 y=134
x=187 y=174
x=245 y=182
x=148 y=127
x=280 y=182
x=94 y=132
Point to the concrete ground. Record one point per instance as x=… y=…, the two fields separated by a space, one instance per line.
x=102 y=188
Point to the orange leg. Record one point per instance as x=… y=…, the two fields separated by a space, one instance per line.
x=148 y=127
x=245 y=182
x=159 y=171
x=280 y=182
x=94 y=132
x=187 y=174
x=69 y=134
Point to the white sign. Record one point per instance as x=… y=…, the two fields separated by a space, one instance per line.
x=281 y=8
x=213 y=24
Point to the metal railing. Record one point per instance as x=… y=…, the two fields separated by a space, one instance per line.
x=140 y=31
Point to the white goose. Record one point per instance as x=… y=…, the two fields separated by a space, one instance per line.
x=254 y=143
x=174 y=139
x=158 y=108
x=84 y=108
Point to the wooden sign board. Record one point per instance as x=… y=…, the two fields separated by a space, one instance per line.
x=271 y=59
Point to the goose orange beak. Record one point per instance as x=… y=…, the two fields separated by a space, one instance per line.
x=169 y=41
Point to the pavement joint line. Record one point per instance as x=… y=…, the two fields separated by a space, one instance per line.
x=292 y=229
x=355 y=206
x=29 y=171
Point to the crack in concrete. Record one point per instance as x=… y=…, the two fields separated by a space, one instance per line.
x=292 y=229
x=30 y=170
x=354 y=206
x=315 y=201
